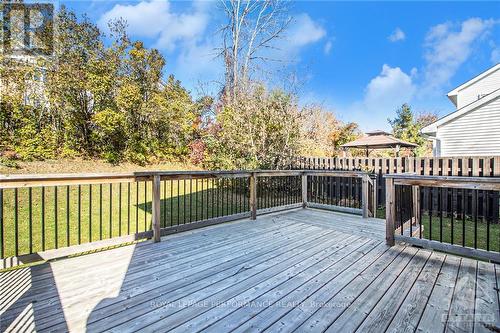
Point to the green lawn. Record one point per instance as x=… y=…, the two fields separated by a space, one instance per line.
x=91 y=215
x=445 y=232
x=99 y=217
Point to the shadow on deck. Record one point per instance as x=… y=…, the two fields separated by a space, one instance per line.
x=304 y=270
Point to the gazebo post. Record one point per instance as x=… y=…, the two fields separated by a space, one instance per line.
x=396 y=149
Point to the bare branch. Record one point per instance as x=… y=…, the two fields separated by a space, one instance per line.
x=251 y=28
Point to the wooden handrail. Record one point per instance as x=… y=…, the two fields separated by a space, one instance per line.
x=19 y=181
x=472 y=183
x=34 y=180
x=152 y=193
x=326 y=173
x=416 y=182
x=390 y=211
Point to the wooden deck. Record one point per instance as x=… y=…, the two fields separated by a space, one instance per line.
x=301 y=270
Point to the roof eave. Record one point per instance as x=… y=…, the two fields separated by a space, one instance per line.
x=380 y=146
x=452 y=96
x=432 y=128
x=474 y=79
x=429 y=129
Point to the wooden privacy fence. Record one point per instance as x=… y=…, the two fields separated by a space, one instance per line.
x=50 y=214
x=467 y=225
x=477 y=166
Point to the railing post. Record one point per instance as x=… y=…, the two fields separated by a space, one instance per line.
x=253 y=196
x=374 y=204
x=416 y=203
x=364 y=196
x=390 y=211
x=304 y=190
x=156 y=209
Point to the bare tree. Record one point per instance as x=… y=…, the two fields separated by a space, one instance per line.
x=252 y=27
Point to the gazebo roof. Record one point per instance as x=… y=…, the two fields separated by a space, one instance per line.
x=378 y=140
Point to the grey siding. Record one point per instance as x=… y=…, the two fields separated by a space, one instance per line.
x=475 y=133
x=482 y=87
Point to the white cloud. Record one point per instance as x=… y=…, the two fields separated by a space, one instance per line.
x=155 y=19
x=447 y=47
x=198 y=62
x=186 y=35
x=383 y=95
x=390 y=84
x=182 y=35
x=302 y=32
x=495 y=53
x=328 y=47
x=397 y=35
x=139 y=17
x=305 y=31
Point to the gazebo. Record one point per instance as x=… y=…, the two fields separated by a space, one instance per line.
x=378 y=140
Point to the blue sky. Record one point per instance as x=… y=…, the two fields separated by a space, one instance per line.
x=359 y=59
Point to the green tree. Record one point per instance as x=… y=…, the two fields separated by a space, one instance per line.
x=93 y=100
x=407 y=126
x=259 y=130
x=71 y=92
x=344 y=133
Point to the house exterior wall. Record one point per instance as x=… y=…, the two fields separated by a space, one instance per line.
x=475 y=133
x=478 y=89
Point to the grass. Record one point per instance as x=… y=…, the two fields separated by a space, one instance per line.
x=443 y=232
x=179 y=205
x=80 y=214
x=118 y=216
x=79 y=165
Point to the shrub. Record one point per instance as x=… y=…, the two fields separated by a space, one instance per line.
x=110 y=134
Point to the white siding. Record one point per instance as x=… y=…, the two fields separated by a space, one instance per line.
x=484 y=86
x=475 y=133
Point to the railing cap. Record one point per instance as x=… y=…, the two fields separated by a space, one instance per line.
x=464 y=179
x=31 y=180
x=458 y=182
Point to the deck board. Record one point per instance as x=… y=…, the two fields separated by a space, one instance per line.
x=271 y=306
x=412 y=308
x=306 y=270
x=485 y=299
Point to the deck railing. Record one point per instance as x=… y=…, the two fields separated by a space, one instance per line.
x=39 y=213
x=341 y=191
x=454 y=214
x=465 y=166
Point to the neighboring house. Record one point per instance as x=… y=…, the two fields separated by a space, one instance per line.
x=34 y=94
x=474 y=128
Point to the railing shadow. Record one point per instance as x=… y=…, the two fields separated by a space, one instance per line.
x=144 y=274
x=22 y=310
x=110 y=311
x=31 y=300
